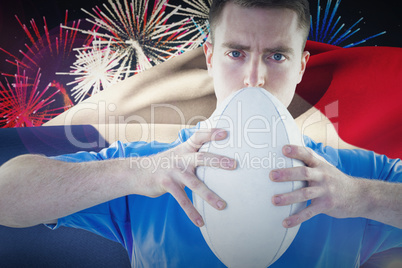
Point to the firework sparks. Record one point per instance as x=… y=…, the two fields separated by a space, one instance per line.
x=97 y=69
x=48 y=50
x=23 y=105
x=66 y=98
x=146 y=37
x=197 y=9
x=199 y=13
x=43 y=46
x=329 y=31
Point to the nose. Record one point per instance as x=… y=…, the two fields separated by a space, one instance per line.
x=255 y=74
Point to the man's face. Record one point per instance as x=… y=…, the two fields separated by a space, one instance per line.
x=256 y=47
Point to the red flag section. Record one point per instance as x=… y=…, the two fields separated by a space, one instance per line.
x=364 y=86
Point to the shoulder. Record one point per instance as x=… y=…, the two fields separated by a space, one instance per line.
x=359 y=162
x=119 y=149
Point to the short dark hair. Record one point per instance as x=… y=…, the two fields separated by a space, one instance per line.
x=301 y=7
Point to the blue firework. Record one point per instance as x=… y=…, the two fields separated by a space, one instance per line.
x=328 y=29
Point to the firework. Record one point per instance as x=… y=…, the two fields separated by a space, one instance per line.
x=329 y=31
x=197 y=9
x=97 y=69
x=146 y=36
x=22 y=104
x=57 y=45
x=48 y=50
x=199 y=13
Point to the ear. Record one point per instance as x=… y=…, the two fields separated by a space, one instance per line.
x=304 y=60
x=208 y=51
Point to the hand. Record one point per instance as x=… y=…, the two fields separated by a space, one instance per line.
x=174 y=169
x=330 y=191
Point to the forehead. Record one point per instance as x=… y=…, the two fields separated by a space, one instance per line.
x=262 y=25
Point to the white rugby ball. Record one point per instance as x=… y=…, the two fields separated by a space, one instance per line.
x=249 y=231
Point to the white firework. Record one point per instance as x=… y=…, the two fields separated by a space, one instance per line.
x=199 y=8
x=96 y=69
x=147 y=38
x=199 y=14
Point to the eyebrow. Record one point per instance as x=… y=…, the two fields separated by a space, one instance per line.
x=278 y=49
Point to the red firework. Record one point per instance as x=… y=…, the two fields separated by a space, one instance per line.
x=22 y=104
x=49 y=51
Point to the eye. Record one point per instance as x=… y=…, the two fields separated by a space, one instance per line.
x=235 y=54
x=278 y=57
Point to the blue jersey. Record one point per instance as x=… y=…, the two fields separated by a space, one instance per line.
x=157 y=233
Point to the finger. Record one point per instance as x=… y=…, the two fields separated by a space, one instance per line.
x=304 y=154
x=214 y=160
x=199 y=188
x=300 y=195
x=302 y=173
x=181 y=197
x=301 y=217
x=205 y=135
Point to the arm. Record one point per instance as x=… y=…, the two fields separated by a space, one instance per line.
x=180 y=85
x=336 y=194
x=35 y=189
